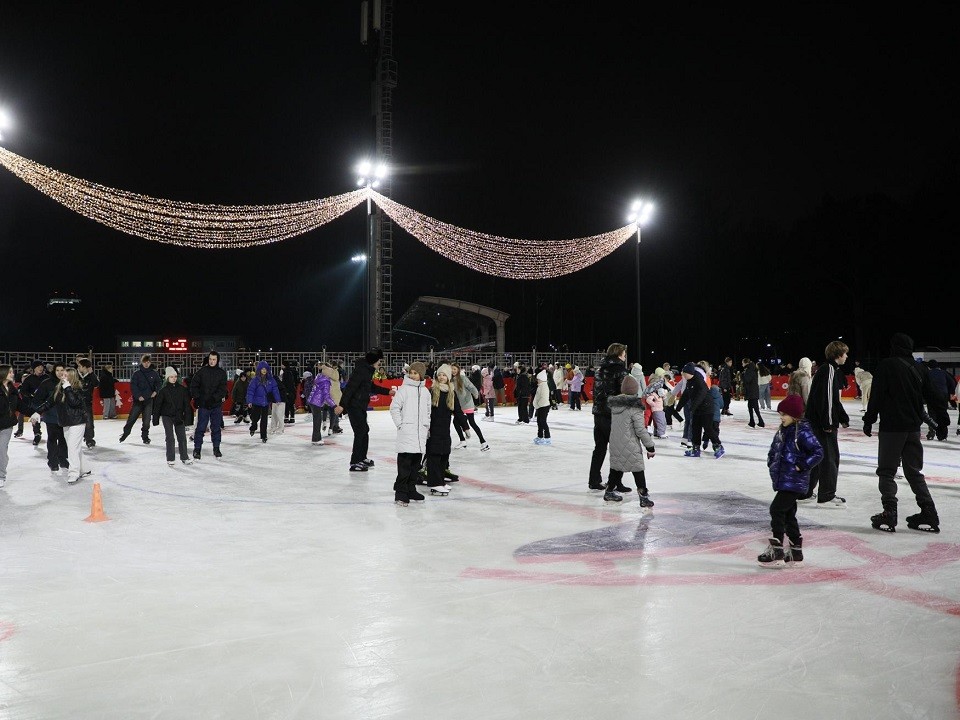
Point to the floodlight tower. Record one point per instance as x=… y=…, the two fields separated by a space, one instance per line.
x=376 y=34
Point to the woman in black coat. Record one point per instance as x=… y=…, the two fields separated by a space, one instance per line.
x=444 y=405
x=172 y=407
x=751 y=390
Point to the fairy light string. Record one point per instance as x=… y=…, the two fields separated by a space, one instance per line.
x=239 y=226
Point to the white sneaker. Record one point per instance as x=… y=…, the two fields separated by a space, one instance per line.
x=836 y=503
x=462 y=445
x=484 y=446
x=188 y=461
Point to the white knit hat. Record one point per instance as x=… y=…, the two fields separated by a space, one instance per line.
x=446 y=370
x=168 y=371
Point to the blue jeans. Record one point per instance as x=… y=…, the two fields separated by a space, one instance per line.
x=215 y=417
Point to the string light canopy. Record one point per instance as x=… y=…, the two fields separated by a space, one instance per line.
x=504 y=257
x=181 y=223
x=239 y=226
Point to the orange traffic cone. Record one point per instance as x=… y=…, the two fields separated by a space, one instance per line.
x=96 y=507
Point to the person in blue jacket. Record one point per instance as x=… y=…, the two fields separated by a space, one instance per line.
x=144 y=386
x=263 y=390
x=793 y=452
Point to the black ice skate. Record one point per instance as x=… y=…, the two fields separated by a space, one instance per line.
x=794 y=554
x=886 y=521
x=450 y=476
x=217 y=453
x=773 y=556
x=368 y=462
x=645 y=500
x=416 y=497
x=196 y=453
x=925 y=520
x=611 y=496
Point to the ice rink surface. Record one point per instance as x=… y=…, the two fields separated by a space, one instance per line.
x=275 y=584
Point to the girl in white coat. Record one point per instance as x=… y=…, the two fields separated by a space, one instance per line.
x=410 y=411
x=541 y=405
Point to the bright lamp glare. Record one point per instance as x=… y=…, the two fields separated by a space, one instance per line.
x=364 y=167
x=359 y=258
x=375 y=184
x=636 y=205
x=381 y=171
x=360 y=181
x=632 y=217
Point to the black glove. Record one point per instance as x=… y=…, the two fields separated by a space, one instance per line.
x=868 y=429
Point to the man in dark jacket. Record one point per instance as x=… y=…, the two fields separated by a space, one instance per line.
x=698 y=406
x=521 y=393
x=826 y=414
x=897 y=396
x=108 y=391
x=726 y=385
x=942 y=386
x=144 y=385
x=89 y=381
x=208 y=389
x=606 y=384
x=355 y=398
x=288 y=382
x=28 y=390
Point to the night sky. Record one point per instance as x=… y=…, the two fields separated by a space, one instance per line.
x=804 y=168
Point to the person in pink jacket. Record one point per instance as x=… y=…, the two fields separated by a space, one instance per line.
x=489 y=394
x=654 y=401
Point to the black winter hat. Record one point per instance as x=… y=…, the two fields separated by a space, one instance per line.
x=35 y=364
x=374 y=355
x=689 y=368
x=901 y=344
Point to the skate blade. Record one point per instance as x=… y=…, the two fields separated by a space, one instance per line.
x=437 y=492
x=924 y=529
x=884 y=529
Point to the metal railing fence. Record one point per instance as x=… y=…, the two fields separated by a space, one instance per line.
x=125 y=363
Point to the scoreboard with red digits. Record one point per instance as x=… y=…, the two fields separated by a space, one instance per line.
x=178 y=343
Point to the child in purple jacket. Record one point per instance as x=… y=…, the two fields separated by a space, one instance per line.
x=319 y=401
x=793 y=452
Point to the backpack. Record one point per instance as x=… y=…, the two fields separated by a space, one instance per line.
x=498 y=383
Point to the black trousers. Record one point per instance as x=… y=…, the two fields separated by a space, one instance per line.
x=896 y=449
x=468 y=421
x=543 y=430
x=616 y=477
x=138 y=409
x=753 y=406
x=176 y=437
x=56 y=447
x=703 y=426
x=523 y=409
x=361 y=435
x=938 y=411
x=601 y=438
x=670 y=412
x=408 y=466
x=823 y=476
x=574 y=400
x=783 y=516
x=88 y=428
x=726 y=395
x=436 y=464
x=260 y=415
x=290 y=406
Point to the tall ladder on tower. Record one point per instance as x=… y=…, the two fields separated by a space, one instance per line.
x=377 y=34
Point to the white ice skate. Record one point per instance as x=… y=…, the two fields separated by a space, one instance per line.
x=442 y=490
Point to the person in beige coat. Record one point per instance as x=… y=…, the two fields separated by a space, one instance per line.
x=800 y=379
x=864 y=379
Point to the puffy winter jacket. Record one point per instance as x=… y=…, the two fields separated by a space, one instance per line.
x=410 y=412
x=486 y=381
x=542 y=396
x=334 y=375
x=576 y=384
x=208 y=387
x=173 y=401
x=606 y=383
x=320 y=394
x=717 y=398
x=793 y=452
x=143 y=383
x=263 y=390
x=521 y=388
x=9 y=403
x=69 y=404
x=629 y=438
x=356 y=395
x=467 y=394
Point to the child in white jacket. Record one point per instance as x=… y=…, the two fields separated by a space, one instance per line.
x=410 y=410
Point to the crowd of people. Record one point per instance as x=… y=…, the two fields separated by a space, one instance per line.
x=631 y=409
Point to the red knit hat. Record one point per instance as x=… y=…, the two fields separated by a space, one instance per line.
x=791 y=405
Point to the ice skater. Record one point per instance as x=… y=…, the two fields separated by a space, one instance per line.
x=355 y=398
x=262 y=389
x=321 y=403
x=541 y=407
x=444 y=406
x=467 y=394
x=9 y=406
x=172 y=407
x=629 y=442
x=67 y=399
x=208 y=388
x=411 y=413
x=793 y=452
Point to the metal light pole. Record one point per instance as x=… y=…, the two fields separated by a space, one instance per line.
x=640 y=213
x=369 y=178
